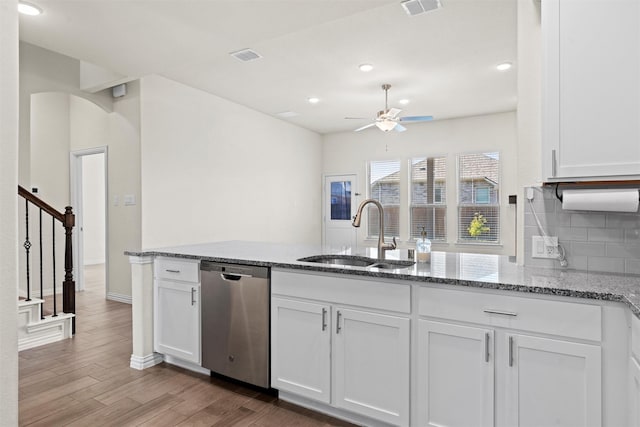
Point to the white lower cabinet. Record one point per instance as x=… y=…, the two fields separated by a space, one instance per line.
x=552 y=382
x=634 y=393
x=371 y=365
x=301 y=348
x=455 y=375
x=177 y=309
x=351 y=358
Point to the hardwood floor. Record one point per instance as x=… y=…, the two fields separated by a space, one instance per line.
x=86 y=381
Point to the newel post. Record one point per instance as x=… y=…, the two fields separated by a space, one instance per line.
x=69 y=285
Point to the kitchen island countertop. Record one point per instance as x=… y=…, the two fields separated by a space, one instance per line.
x=448 y=268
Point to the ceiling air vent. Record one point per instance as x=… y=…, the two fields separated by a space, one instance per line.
x=245 y=55
x=416 y=7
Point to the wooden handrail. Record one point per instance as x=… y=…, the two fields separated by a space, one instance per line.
x=41 y=204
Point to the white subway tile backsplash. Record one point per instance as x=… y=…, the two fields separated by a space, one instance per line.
x=593 y=241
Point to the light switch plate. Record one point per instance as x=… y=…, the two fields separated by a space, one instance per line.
x=129 y=200
x=544 y=247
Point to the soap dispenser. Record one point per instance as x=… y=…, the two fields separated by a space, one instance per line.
x=423 y=247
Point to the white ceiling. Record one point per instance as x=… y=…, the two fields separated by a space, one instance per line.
x=443 y=61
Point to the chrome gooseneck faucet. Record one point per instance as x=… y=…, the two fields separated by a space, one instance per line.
x=382 y=246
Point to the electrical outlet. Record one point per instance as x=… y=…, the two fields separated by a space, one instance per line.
x=544 y=247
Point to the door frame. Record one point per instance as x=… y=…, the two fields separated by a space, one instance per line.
x=354 y=196
x=75 y=183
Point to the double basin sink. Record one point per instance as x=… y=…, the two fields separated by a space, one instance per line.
x=358 y=261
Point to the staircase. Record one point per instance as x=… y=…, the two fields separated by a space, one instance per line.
x=35 y=327
x=34 y=331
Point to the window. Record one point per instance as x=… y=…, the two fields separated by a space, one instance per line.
x=428 y=197
x=478 y=197
x=341 y=200
x=384 y=186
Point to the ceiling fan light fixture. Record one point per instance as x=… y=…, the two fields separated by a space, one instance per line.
x=365 y=68
x=386 y=125
x=28 y=9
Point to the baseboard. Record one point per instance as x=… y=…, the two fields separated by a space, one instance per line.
x=144 y=362
x=119 y=297
x=186 y=365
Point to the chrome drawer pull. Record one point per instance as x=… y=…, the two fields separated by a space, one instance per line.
x=500 y=312
x=172 y=271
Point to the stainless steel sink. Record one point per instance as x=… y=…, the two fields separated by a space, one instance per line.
x=358 y=261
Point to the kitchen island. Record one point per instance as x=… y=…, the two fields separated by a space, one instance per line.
x=408 y=346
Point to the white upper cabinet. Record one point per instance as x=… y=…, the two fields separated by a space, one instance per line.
x=591 y=90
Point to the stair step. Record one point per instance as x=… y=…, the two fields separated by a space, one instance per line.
x=45 y=331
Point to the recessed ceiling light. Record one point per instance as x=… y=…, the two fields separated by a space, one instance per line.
x=28 y=9
x=504 y=66
x=404 y=101
x=313 y=100
x=366 y=67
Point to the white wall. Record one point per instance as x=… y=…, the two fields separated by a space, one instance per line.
x=93 y=218
x=213 y=170
x=349 y=152
x=8 y=213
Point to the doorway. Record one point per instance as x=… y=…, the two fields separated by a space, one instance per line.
x=339 y=206
x=89 y=199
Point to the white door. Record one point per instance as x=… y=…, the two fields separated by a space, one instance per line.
x=455 y=375
x=371 y=365
x=552 y=383
x=339 y=208
x=177 y=326
x=301 y=348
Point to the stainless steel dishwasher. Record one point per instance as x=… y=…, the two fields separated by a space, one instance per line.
x=235 y=321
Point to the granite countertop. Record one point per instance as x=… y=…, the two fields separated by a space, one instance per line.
x=459 y=269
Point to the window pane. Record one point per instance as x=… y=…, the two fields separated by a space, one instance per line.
x=478 y=197
x=384 y=186
x=428 y=197
x=341 y=200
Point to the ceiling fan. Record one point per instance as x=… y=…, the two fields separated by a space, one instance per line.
x=388 y=119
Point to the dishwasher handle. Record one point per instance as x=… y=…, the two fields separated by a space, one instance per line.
x=233 y=277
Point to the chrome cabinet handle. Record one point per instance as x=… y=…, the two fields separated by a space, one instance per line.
x=500 y=312
x=324 y=318
x=338 y=316
x=172 y=271
x=553 y=163
x=486 y=347
x=510 y=351
x=193 y=296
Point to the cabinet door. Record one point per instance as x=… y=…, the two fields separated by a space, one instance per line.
x=552 y=382
x=455 y=375
x=634 y=393
x=177 y=326
x=300 y=348
x=371 y=365
x=591 y=88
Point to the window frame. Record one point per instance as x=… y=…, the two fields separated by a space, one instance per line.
x=374 y=236
x=411 y=237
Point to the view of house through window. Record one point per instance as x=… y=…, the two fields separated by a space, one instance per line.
x=428 y=198
x=341 y=200
x=478 y=197
x=384 y=186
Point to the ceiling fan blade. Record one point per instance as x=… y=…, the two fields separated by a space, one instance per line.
x=393 y=113
x=416 y=119
x=399 y=128
x=364 y=127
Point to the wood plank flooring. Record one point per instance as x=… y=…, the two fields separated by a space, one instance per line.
x=86 y=381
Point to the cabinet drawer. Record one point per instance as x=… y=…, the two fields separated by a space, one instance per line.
x=567 y=319
x=635 y=337
x=177 y=269
x=343 y=290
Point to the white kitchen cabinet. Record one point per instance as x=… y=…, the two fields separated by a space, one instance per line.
x=591 y=89
x=177 y=309
x=371 y=365
x=539 y=381
x=301 y=348
x=634 y=393
x=552 y=382
x=455 y=375
x=334 y=341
